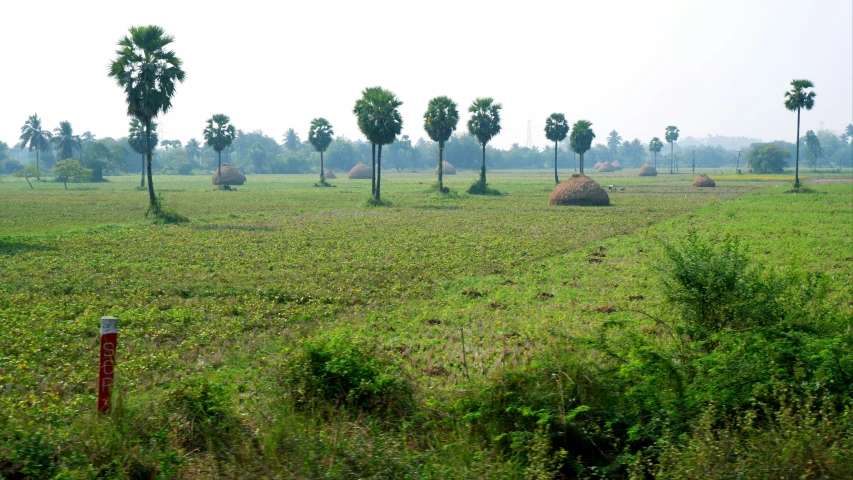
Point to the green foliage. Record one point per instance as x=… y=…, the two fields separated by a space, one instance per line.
x=614 y=141
x=136 y=136
x=556 y=127
x=799 y=97
x=34 y=138
x=485 y=121
x=481 y=188
x=202 y=413
x=65 y=141
x=655 y=145
x=291 y=140
x=219 y=133
x=767 y=158
x=28 y=172
x=163 y=215
x=440 y=119
x=337 y=372
x=581 y=139
x=813 y=151
x=320 y=134
x=71 y=169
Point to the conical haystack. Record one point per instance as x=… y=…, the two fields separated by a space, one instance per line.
x=616 y=165
x=329 y=174
x=597 y=165
x=448 y=169
x=360 y=171
x=647 y=170
x=606 y=167
x=579 y=190
x=230 y=176
x=703 y=180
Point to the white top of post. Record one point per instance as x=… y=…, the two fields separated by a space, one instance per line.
x=109 y=325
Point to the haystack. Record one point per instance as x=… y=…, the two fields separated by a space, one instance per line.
x=616 y=165
x=606 y=167
x=579 y=190
x=360 y=171
x=597 y=165
x=704 y=181
x=647 y=170
x=329 y=174
x=230 y=176
x=448 y=169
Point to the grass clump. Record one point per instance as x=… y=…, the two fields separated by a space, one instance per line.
x=164 y=216
x=479 y=187
x=374 y=202
x=202 y=414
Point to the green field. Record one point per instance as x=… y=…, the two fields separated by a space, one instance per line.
x=447 y=295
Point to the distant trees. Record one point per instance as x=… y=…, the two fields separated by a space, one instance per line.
x=148 y=72
x=320 y=136
x=219 y=134
x=849 y=130
x=139 y=141
x=813 y=152
x=581 y=139
x=97 y=155
x=556 y=129
x=655 y=146
x=671 y=137
x=65 y=141
x=484 y=124
x=632 y=152
x=796 y=99
x=70 y=169
x=614 y=141
x=291 y=140
x=767 y=158
x=193 y=149
x=440 y=120
x=33 y=137
x=364 y=111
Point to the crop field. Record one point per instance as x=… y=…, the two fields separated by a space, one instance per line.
x=448 y=293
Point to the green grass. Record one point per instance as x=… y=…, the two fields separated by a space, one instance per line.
x=229 y=295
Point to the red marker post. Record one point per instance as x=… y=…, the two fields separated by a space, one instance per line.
x=106 y=371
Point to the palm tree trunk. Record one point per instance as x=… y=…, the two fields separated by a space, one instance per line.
x=373 y=169
x=656 y=159
x=441 y=167
x=483 y=168
x=797 y=164
x=379 y=174
x=556 y=179
x=38 y=171
x=670 y=158
x=219 y=168
x=575 y=158
x=322 y=172
x=65 y=182
x=142 y=179
x=151 y=198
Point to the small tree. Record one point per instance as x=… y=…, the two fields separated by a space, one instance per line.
x=440 y=121
x=556 y=129
x=655 y=146
x=581 y=138
x=27 y=173
x=485 y=124
x=768 y=158
x=219 y=134
x=71 y=169
x=796 y=99
x=320 y=136
x=671 y=137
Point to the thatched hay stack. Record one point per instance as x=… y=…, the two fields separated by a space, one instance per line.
x=360 y=171
x=597 y=165
x=448 y=169
x=616 y=165
x=647 y=170
x=703 y=180
x=329 y=174
x=230 y=176
x=579 y=190
x=606 y=167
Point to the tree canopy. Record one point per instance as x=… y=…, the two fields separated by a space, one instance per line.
x=35 y=138
x=767 y=158
x=65 y=141
x=581 y=138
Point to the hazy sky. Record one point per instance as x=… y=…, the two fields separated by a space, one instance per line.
x=708 y=66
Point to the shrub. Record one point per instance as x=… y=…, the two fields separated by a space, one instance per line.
x=202 y=414
x=481 y=188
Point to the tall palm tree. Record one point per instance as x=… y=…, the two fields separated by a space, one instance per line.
x=671 y=137
x=797 y=99
x=613 y=142
x=556 y=129
x=219 y=134
x=65 y=141
x=193 y=149
x=387 y=123
x=655 y=146
x=148 y=72
x=485 y=123
x=363 y=111
x=581 y=138
x=291 y=140
x=34 y=138
x=440 y=121
x=137 y=140
x=320 y=136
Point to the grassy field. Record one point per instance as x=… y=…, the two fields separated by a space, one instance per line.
x=447 y=294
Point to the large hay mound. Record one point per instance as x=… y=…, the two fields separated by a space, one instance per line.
x=360 y=171
x=616 y=165
x=448 y=169
x=647 y=170
x=597 y=165
x=704 y=181
x=606 y=167
x=579 y=190
x=329 y=174
x=230 y=176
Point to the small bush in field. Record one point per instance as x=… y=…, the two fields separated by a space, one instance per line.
x=203 y=414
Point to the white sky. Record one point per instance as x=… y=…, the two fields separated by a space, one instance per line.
x=708 y=66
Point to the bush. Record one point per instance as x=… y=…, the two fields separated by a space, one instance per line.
x=338 y=373
x=481 y=188
x=202 y=415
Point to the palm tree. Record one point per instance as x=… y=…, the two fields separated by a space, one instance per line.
x=193 y=149
x=849 y=130
x=797 y=99
x=148 y=72
x=34 y=138
x=387 y=123
x=137 y=140
x=485 y=123
x=671 y=136
x=581 y=138
x=613 y=142
x=362 y=110
x=440 y=121
x=219 y=134
x=65 y=141
x=655 y=146
x=556 y=129
x=291 y=140
x=320 y=136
